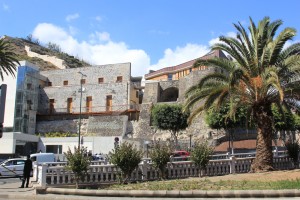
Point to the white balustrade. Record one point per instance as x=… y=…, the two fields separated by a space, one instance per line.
x=47 y=175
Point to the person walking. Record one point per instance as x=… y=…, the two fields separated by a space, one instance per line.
x=26 y=172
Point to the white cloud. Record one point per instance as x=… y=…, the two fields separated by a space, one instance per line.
x=216 y=40
x=180 y=55
x=101 y=51
x=98 y=18
x=5 y=7
x=73 y=30
x=72 y=17
x=99 y=37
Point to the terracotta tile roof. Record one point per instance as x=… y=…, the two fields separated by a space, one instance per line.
x=188 y=64
x=242 y=144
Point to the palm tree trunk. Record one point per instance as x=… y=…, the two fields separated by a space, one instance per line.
x=264 y=156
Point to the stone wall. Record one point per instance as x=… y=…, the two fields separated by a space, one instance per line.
x=93 y=126
x=92 y=88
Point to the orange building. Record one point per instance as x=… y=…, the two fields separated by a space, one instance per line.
x=181 y=70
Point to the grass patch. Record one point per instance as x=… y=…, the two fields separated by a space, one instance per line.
x=205 y=184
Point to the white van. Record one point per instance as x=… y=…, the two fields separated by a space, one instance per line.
x=39 y=158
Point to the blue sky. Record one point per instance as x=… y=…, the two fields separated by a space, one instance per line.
x=149 y=34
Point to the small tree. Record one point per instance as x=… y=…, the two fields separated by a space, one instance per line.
x=160 y=156
x=200 y=155
x=169 y=117
x=78 y=163
x=127 y=158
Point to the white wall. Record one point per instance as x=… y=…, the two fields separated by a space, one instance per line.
x=94 y=144
x=8 y=141
x=10 y=81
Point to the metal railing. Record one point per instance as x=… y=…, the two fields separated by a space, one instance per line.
x=94 y=109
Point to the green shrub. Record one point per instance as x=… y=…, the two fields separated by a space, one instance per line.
x=200 y=155
x=160 y=156
x=127 y=158
x=78 y=163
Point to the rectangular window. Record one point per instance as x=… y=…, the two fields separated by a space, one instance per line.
x=89 y=104
x=82 y=81
x=69 y=105
x=65 y=82
x=29 y=86
x=100 y=80
x=56 y=149
x=137 y=94
x=170 y=77
x=108 y=103
x=51 y=106
x=119 y=79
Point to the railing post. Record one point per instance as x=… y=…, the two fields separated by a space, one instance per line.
x=34 y=173
x=42 y=177
x=232 y=164
x=144 y=169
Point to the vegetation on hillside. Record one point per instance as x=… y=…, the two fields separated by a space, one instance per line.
x=50 y=49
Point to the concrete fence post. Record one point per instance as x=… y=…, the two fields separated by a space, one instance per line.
x=34 y=173
x=232 y=164
x=144 y=169
x=42 y=175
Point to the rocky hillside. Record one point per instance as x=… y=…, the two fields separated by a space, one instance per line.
x=18 y=44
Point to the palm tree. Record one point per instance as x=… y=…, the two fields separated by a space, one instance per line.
x=261 y=73
x=8 y=59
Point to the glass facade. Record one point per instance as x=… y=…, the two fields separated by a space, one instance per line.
x=26 y=97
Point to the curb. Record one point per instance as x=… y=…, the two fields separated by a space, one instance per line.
x=177 y=193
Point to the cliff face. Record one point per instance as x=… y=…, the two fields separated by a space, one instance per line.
x=18 y=45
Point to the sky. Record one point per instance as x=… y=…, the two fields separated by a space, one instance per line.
x=150 y=34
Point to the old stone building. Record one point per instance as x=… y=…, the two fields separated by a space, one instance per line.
x=168 y=85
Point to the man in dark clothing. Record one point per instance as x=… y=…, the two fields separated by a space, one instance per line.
x=26 y=172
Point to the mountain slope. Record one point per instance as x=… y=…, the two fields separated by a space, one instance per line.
x=18 y=45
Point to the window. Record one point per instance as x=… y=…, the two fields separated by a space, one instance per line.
x=82 y=81
x=100 y=80
x=69 y=105
x=108 y=103
x=49 y=83
x=29 y=103
x=137 y=94
x=170 y=77
x=119 y=79
x=29 y=86
x=20 y=162
x=57 y=149
x=65 y=82
x=51 y=106
x=89 y=104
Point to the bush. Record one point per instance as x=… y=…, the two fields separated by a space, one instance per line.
x=78 y=163
x=200 y=155
x=160 y=156
x=127 y=158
